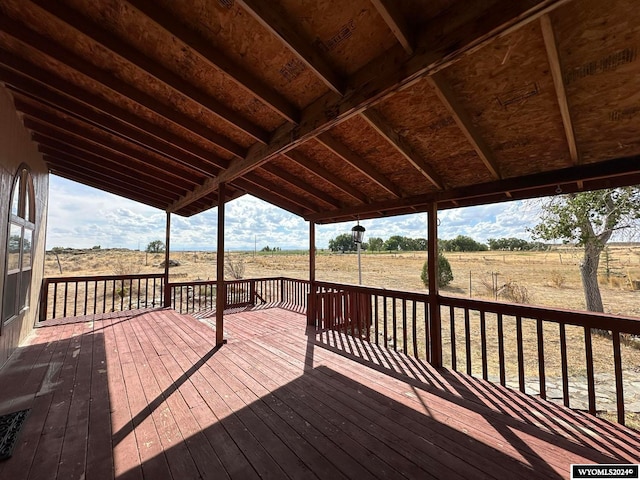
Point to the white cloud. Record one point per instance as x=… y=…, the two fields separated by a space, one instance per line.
x=82 y=217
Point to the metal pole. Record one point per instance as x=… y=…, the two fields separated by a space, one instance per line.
x=359 y=265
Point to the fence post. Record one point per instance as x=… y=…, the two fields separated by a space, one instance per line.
x=44 y=299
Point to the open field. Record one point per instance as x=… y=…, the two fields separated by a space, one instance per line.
x=550 y=278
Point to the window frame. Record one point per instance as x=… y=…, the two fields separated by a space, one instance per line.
x=17 y=281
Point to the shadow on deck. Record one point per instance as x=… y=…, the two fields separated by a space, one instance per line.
x=146 y=394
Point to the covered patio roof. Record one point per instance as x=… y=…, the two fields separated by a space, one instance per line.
x=331 y=110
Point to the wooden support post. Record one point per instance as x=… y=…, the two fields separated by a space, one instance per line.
x=311 y=304
x=167 y=238
x=221 y=294
x=434 y=303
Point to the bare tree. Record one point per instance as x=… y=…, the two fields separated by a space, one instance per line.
x=589 y=219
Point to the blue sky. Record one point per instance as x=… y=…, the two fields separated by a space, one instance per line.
x=82 y=217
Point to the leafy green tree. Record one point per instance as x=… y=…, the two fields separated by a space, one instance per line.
x=445 y=275
x=395 y=243
x=589 y=219
x=375 y=244
x=156 y=246
x=342 y=243
x=462 y=243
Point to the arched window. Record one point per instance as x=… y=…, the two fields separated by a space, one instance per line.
x=17 y=285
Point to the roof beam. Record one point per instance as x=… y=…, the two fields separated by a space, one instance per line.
x=62 y=161
x=325 y=174
x=398 y=142
x=66 y=130
x=144 y=63
x=388 y=10
x=558 y=82
x=269 y=195
x=609 y=174
x=51 y=90
x=68 y=145
x=55 y=51
x=384 y=76
x=358 y=163
x=264 y=185
x=465 y=124
x=36 y=108
x=218 y=60
x=270 y=18
x=316 y=193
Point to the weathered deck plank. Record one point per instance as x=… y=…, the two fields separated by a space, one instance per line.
x=147 y=394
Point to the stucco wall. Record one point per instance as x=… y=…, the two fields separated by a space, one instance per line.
x=16 y=149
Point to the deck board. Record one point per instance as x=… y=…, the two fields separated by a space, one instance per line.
x=147 y=395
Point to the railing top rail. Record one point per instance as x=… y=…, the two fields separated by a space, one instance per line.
x=376 y=291
x=231 y=282
x=602 y=321
x=92 y=278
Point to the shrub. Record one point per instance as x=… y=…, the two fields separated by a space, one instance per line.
x=557 y=279
x=445 y=276
x=512 y=292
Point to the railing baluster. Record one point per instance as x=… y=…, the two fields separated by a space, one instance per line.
x=95 y=297
x=541 y=369
x=55 y=298
x=452 y=333
x=427 y=334
x=591 y=386
x=521 y=380
x=404 y=326
x=66 y=290
x=565 y=368
x=86 y=296
x=384 y=319
x=467 y=339
x=415 y=328
x=503 y=380
x=483 y=344
x=617 y=362
x=75 y=299
x=395 y=324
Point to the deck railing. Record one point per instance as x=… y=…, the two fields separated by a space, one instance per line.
x=540 y=351
x=72 y=296
x=535 y=349
x=199 y=298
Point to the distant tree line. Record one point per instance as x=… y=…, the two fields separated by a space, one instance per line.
x=513 y=244
x=461 y=243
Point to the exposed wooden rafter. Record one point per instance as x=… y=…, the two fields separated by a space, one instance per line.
x=396 y=140
x=160 y=73
x=218 y=60
x=318 y=195
x=57 y=52
x=381 y=78
x=321 y=172
x=269 y=17
x=194 y=166
x=558 y=82
x=357 y=162
x=51 y=90
x=388 y=10
x=465 y=124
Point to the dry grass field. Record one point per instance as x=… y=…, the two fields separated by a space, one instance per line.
x=547 y=278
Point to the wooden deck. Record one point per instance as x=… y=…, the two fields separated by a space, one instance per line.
x=145 y=394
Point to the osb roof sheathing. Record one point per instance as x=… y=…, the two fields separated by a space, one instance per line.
x=332 y=110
